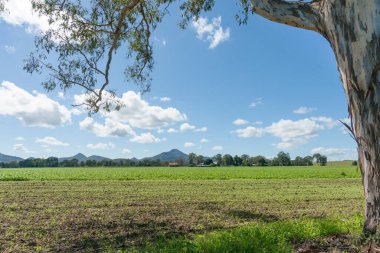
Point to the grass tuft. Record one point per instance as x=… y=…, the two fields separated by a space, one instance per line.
x=278 y=236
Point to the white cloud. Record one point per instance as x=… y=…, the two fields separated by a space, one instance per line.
x=61 y=95
x=165 y=99
x=212 y=32
x=336 y=153
x=101 y=146
x=10 y=49
x=22 y=148
x=126 y=151
x=187 y=127
x=51 y=141
x=32 y=109
x=291 y=133
x=145 y=138
x=325 y=121
x=188 y=144
x=203 y=140
x=304 y=110
x=20 y=13
x=172 y=130
x=240 y=122
x=217 y=148
x=162 y=42
x=256 y=102
x=76 y=111
x=20 y=138
x=201 y=129
x=110 y=128
x=137 y=112
x=249 y=132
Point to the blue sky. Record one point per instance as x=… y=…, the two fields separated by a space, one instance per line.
x=217 y=88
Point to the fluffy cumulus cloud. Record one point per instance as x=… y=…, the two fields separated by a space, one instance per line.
x=109 y=128
x=217 y=148
x=240 y=122
x=32 y=109
x=138 y=113
x=20 y=13
x=10 y=49
x=51 y=141
x=188 y=145
x=145 y=138
x=172 y=130
x=203 y=140
x=211 y=32
x=101 y=146
x=336 y=153
x=250 y=132
x=21 y=148
x=256 y=102
x=165 y=99
x=304 y=110
x=187 y=127
x=126 y=151
x=290 y=132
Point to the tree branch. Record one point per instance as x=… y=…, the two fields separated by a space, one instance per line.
x=297 y=14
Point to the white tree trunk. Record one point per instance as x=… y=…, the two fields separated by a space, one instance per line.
x=353 y=29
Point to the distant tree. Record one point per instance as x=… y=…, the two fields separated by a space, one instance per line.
x=298 y=161
x=323 y=160
x=308 y=161
x=52 y=162
x=355 y=163
x=218 y=159
x=245 y=160
x=283 y=159
x=237 y=160
x=259 y=161
x=208 y=161
x=192 y=157
x=316 y=158
x=228 y=160
x=180 y=161
x=199 y=159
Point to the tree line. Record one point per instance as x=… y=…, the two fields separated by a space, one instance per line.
x=52 y=162
x=282 y=159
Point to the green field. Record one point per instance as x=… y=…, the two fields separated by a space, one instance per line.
x=175 y=209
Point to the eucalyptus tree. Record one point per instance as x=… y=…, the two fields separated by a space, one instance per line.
x=85 y=38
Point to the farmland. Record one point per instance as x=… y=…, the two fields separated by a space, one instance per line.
x=140 y=209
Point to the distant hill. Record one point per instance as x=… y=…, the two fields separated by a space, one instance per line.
x=8 y=158
x=169 y=156
x=80 y=157
x=98 y=158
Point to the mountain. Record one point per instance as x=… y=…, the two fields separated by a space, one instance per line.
x=80 y=157
x=170 y=156
x=8 y=158
x=98 y=158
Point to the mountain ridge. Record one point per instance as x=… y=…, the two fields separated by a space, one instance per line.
x=169 y=156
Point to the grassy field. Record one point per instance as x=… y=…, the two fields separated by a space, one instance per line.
x=179 y=173
x=175 y=209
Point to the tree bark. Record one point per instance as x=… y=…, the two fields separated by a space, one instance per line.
x=352 y=28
